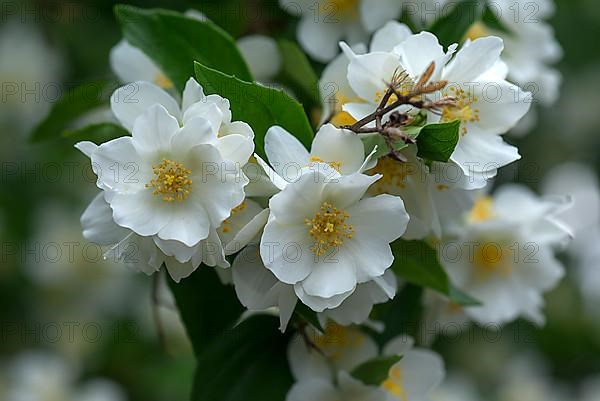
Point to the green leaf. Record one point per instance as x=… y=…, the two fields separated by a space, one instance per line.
x=297 y=72
x=375 y=371
x=98 y=133
x=309 y=316
x=490 y=20
x=437 y=141
x=246 y=363
x=258 y=105
x=72 y=105
x=174 y=42
x=197 y=297
x=452 y=27
x=417 y=263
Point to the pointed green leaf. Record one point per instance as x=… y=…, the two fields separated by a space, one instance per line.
x=417 y=263
x=375 y=371
x=297 y=73
x=437 y=141
x=175 y=41
x=258 y=105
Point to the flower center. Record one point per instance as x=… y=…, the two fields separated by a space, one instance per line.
x=338 y=339
x=476 y=31
x=171 y=181
x=161 y=80
x=463 y=110
x=483 y=210
x=491 y=258
x=394 y=174
x=328 y=228
x=348 y=7
x=394 y=383
x=336 y=165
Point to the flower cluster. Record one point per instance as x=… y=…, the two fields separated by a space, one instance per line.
x=404 y=153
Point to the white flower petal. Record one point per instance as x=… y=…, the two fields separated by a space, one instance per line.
x=132 y=100
x=333 y=145
x=153 y=131
x=286 y=153
x=391 y=35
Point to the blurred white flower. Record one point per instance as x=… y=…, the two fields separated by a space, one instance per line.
x=341 y=349
x=325 y=22
x=346 y=388
x=581 y=183
x=456 y=387
x=30 y=73
x=503 y=254
x=41 y=376
x=262 y=56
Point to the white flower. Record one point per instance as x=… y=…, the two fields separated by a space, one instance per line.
x=456 y=387
x=530 y=45
x=324 y=238
x=581 y=183
x=325 y=22
x=169 y=188
x=30 y=73
x=342 y=349
x=44 y=376
x=503 y=254
x=488 y=105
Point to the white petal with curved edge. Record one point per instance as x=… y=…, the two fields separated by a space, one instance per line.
x=319 y=304
x=154 y=130
x=132 y=100
x=286 y=153
x=188 y=224
x=375 y=13
x=98 y=224
x=196 y=131
x=319 y=39
x=208 y=111
x=236 y=148
x=275 y=178
x=333 y=274
x=333 y=145
x=141 y=212
x=86 y=147
x=192 y=93
x=348 y=190
x=369 y=74
x=474 y=59
x=247 y=233
x=130 y=64
x=262 y=55
x=391 y=35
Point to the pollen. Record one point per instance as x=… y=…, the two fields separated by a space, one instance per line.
x=329 y=228
x=348 y=7
x=342 y=118
x=491 y=258
x=238 y=209
x=161 y=80
x=482 y=210
x=394 y=384
x=336 y=165
x=476 y=31
x=171 y=181
x=394 y=175
x=463 y=109
x=337 y=339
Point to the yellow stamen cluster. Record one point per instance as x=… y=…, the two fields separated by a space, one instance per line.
x=476 y=31
x=338 y=339
x=462 y=110
x=328 y=228
x=394 y=173
x=394 y=383
x=239 y=208
x=482 y=210
x=347 y=7
x=161 y=80
x=342 y=118
x=334 y=164
x=491 y=258
x=171 y=181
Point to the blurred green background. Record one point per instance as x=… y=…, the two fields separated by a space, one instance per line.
x=57 y=295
